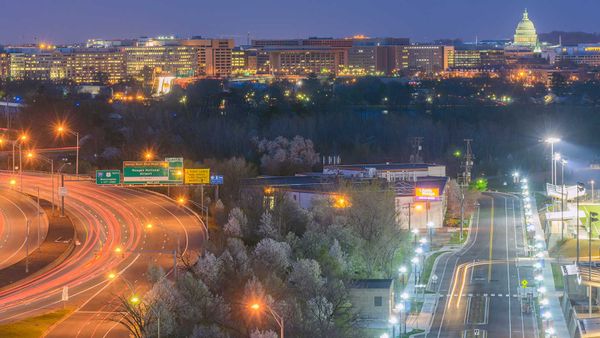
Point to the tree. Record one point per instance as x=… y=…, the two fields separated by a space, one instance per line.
x=287 y=157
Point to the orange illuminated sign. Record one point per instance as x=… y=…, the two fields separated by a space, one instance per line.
x=427 y=193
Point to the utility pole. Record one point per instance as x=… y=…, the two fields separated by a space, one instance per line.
x=593 y=218
x=464 y=181
x=417 y=145
x=468 y=164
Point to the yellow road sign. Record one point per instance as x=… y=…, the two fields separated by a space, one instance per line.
x=524 y=283
x=197 y=176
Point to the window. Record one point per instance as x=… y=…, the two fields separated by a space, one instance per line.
x=378 y=301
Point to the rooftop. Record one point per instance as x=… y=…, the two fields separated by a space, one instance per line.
x=371 y=283
x=383 y=166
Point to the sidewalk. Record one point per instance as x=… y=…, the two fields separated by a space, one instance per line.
x=558 y=319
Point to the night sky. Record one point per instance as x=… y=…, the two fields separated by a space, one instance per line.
x=63 y=21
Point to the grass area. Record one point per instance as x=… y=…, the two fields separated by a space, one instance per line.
x=416 y=306
x=414 y=331
x=558 y=277
x=33 y=327
x=455 y=238
x=569 y=249
x=584 y=221
x=429 y=266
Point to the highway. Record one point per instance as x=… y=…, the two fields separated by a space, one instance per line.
x=480 y=285
x=113 y=237
x=16 y=210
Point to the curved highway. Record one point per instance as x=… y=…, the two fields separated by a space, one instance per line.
x=114 y=238
x=16 y=210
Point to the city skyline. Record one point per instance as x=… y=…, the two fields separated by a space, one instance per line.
x=54 y=22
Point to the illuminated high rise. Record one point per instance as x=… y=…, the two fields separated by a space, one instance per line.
x=525 y=34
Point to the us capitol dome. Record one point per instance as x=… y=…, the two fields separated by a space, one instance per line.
x=525 y=35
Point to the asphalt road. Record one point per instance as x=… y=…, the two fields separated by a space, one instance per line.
x=15 y=210
x=113 y=238
x=480 y=285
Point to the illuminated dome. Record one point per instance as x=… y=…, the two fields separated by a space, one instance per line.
x=525 y=35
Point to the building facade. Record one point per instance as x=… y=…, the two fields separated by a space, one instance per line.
x=306 y=60
x=424 y=58
x=525 y=34
x=143 y=62
x=95 y=65
x=214 y=56
x=37 y=65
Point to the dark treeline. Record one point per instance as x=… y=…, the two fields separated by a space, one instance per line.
x=364 y=120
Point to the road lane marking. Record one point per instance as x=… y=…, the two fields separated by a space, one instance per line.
x=507 y=267
x=491 y=241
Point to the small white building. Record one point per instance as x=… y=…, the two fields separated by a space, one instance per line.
x=373 y=299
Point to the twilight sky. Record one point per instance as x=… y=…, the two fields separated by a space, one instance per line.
x=61 y=21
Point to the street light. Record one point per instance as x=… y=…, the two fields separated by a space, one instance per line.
x=415 y=262
x=580 y=188
x=61 y=129
x=403 y=271
x=563 y=162
x=430 y=228
x=256 y=307
x=31 y=155
x=551 y=140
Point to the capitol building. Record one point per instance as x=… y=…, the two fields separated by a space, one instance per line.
x=525 y=34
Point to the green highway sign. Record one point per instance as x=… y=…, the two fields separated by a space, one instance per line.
x=106 y=177
x=175 y=169
x=169 y=171
x=146 y=172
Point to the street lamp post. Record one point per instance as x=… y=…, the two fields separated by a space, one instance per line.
x=415 y=262
x=552 y=140
x=430 y=229
x=580 y=187
x=593 y=217
x=563 y=162
x=278 y=318
x=31 y=155
x=403 y=273
x=61 y=129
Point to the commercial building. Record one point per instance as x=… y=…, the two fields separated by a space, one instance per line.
x=476 y=58
x=36 y=65
x=424 y=58
x=391 y=172
x=214 y=56
x=143 y=63
x=4 y=65
x=582 y=55
x=422 y=203
x=373 y=56
x=95 y=65
x=305 y=60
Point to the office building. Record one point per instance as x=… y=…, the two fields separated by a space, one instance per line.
x=474 y=58
x=373 y=56
x=4 y=65
x=424 y=58
x=214 y=56
x=305 y=60
x=581 y=55
x=36 y=65
x=95 y=65
x=143 y=63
